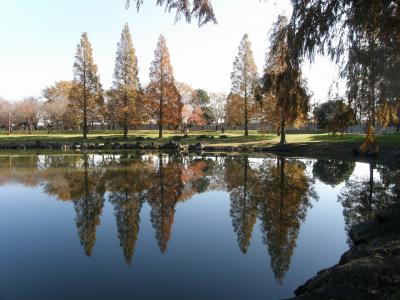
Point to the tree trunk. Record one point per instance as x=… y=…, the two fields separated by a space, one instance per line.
x=9 y=123
x=160 y=124
x=246 y=115
x=125 y=113
x=281 y=164
x=283 y=134
x=371 y=188
x=85 y=127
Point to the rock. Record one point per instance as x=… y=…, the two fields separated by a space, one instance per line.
x=245 y=149
x=219 y=148
x=196 y=147
x=107 y=145
x=38 y=145
x=151 y=146
x=19 y=147
x=117 y=146
x=171 y=145
x=138 y=145
x=128 y=146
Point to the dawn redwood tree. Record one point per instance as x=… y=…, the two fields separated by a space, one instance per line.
x=388 y=113
x=125 y=93
x=162 y=94
x=363 y=38
x=202 y=10
x=244 y=78
x=86 y=96
x=284 y=88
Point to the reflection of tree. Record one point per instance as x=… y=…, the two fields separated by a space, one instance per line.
x=163 y=195
x=362 y=197
x=195 y=177
x=60 y=170
x=240 y=182
x=390 y=176
x=288 y=192
x=127 y=185
x=87 y=192
x=332 y=171
x=131 y=179
x=21 y=169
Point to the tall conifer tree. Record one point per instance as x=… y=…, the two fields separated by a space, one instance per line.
x=125 y=93
x=286 y=94
x=244 y=78
x=163 y=96
x=87 y=94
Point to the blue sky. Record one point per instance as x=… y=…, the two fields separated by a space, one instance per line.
x=39 y=38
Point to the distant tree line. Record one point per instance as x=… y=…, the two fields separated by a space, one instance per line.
x=82 y=102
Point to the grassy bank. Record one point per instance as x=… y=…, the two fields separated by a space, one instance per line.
x=233 y=138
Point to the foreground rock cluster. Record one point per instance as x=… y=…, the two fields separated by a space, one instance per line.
x=369 y=270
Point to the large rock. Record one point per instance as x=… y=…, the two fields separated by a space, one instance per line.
x=369 y=270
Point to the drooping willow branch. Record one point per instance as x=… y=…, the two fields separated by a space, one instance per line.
x=201 y=10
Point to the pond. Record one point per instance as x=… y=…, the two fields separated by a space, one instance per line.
x=164 y=226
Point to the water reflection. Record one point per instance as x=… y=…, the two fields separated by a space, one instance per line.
x=277 y=191
x=332 y=171
x=288 y=192
x=241 y=183
x=362 y=196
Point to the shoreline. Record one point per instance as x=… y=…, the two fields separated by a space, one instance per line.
x=344 y=150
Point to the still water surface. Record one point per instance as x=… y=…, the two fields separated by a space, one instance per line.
x=131 y=226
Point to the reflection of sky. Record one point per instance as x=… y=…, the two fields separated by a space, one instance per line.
x=362 y=170
x=42 y=253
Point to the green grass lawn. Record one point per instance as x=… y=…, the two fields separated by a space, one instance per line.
x=234 y=137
